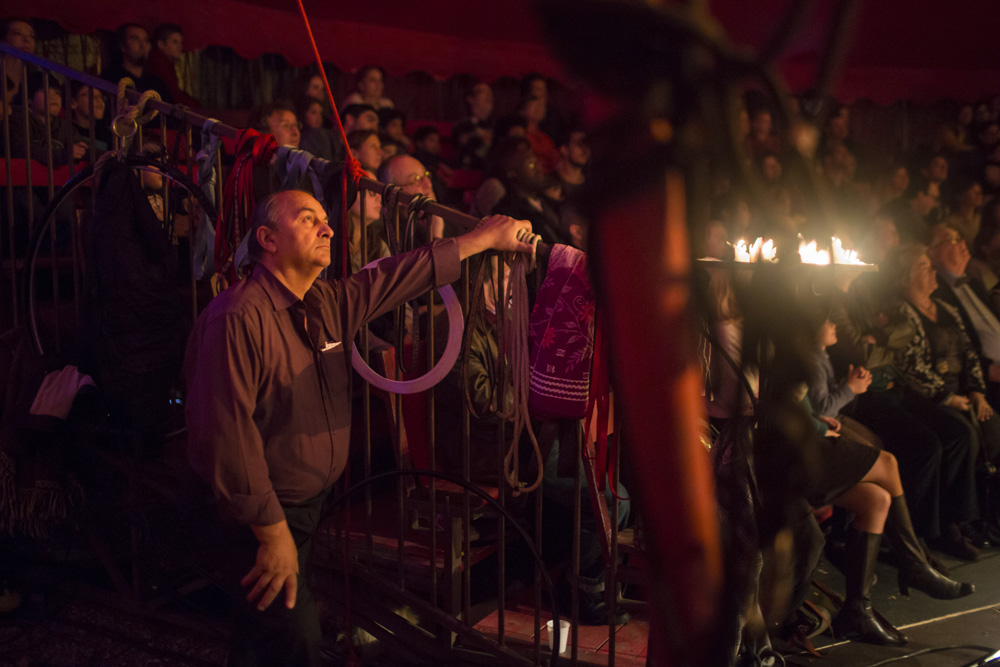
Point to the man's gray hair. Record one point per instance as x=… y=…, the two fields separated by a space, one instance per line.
x=265 y=214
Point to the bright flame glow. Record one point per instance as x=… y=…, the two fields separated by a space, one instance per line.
x=758 y=250
x=810 y=254
x=844 y=256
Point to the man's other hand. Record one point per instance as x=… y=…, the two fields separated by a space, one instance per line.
x=277 y=566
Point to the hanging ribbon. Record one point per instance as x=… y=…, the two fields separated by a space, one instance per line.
x=203 y=263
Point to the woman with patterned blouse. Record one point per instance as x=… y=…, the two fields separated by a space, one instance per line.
x=937 y=360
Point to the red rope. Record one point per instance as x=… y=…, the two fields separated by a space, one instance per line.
x=351 y=163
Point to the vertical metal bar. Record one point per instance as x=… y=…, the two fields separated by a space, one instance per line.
x=501 y=306
x=538 y=576
x=49 y=172
x=92 y=125
x=612 y=583
x=8 y=149
x=165 y=183
x=399 y=447
x=27 y=157
x=367 y=398
x=74 y=220
x=466 y=475
x=192 y=227
x=575 y=579
x=433 y=453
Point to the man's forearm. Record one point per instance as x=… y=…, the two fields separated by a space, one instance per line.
x=471 y=243
x=272 y=533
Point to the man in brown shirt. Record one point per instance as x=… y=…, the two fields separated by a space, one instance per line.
x=268 y=406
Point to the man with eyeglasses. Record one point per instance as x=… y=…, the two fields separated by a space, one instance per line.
x=278 y=118
x=950 y=257
x=412 y=177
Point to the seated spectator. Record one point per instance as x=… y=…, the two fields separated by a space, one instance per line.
x=964 y=217
x=510 y=126
x=390 y=147
x=375 y=244
x=533 y=111
x=574 y=156
x=316 y=138
x=393 y=124
x=427 y=147
x=914 y=214
x=733 y=210
x=934 y=446
x=714 y=241
x=83 y=98
x=985 y=263
x=20 y=34
x=884 y=238
x=129 y=56
x=354 y=117
x=367 y=148
x=762 y=138
x=473 y=135
x=890 y=187
x=359 y=117
x=991 y=179
x=770 y=169
x=66 y=143
x=278 y=118
x=949 y=256
x=412 y=177
x=315 y=88
x=168 y=40
x=937 y=357
x=370 y=84
x=863 y=500
x=932 y=181
x=524 y=181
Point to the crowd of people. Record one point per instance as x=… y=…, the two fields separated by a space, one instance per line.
x=903 y=381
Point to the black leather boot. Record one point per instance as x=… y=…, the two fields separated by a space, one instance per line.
x=856 y=619
x=914 y=570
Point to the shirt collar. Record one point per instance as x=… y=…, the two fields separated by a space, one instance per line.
x=281 y=297
x=949 y=277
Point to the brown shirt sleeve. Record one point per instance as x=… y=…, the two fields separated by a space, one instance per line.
x=222 y=369
x=373 y=292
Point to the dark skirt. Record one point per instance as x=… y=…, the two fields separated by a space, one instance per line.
x=834 y=465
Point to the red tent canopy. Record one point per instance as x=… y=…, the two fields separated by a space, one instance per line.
x=901 y=49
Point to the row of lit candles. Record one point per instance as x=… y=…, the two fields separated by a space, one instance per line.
x=810 y=253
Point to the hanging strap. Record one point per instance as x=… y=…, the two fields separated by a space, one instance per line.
x=203 y=263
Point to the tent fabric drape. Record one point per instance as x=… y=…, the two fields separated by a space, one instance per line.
x=918 y=50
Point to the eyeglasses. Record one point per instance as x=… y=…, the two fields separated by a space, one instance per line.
x=953 y=239
x=416 y=180
x=290 y=126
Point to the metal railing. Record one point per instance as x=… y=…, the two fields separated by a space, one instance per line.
x=443 y=591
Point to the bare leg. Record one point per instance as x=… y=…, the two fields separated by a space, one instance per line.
x=870 y=504
x=885 y=473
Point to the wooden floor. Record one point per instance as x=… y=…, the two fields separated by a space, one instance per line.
x=592 y=642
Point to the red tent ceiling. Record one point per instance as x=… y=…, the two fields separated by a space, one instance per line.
x=901 y=49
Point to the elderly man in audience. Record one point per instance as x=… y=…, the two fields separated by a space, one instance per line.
x=950 y=256
x=130 y=55
x=278 y=118
x=412 y=177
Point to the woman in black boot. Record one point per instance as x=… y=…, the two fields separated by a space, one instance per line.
x=866 y=482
